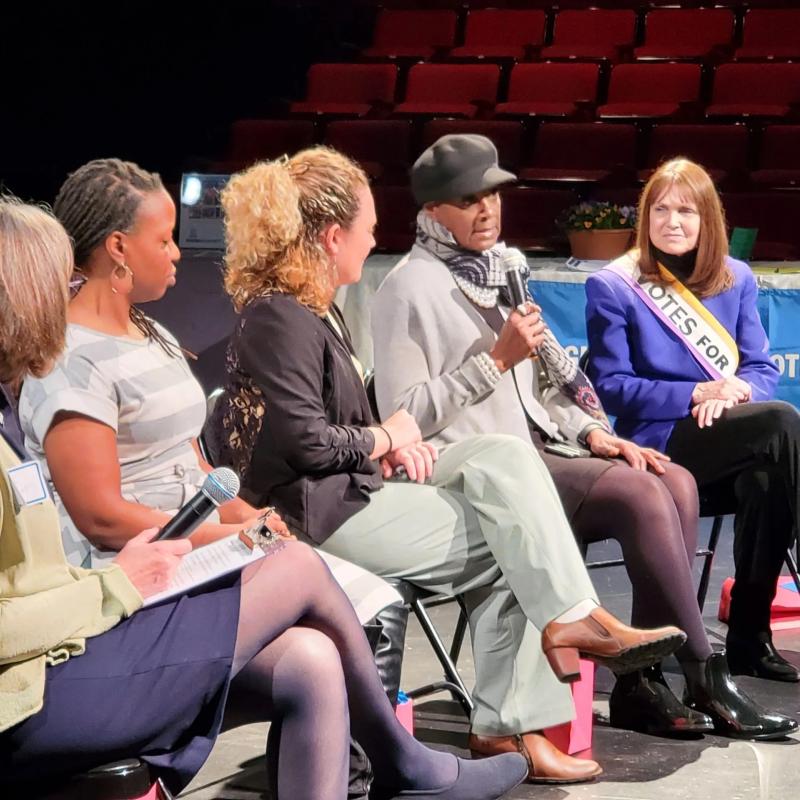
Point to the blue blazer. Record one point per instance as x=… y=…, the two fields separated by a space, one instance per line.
x=644 y=375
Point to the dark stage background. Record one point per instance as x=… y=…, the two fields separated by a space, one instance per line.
x=157 y=83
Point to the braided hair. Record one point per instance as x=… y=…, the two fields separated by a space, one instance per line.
x=97 y=199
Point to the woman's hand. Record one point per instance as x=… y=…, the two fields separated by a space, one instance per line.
x=732 y=388
x=238 y=512
x=273 y=521
x=519 y=337
x=417 y=460
x=276 y=524
x=707 y=411
x=602 y=443
x=150 y=565
x=403 y=429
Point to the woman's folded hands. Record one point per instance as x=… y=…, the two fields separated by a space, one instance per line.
x=407 y=452
x=711 y=398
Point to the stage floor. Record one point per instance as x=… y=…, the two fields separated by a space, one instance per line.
x=637 y=767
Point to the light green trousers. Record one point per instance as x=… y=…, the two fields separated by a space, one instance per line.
x=489 y=526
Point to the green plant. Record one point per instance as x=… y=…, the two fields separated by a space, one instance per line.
x=597 y=215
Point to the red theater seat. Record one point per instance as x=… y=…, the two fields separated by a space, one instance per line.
x=594 y=33
x=582 y=152
x=779 y=157
x=450 y=89
x=501 y=33
x=382 y=147
x=775 y=214
x=691 y=33
x=650 y=90
x=529 y=216
x=397 y=212
x=721 y=149
x=412 y=34
x=506 y=135
x=754 y=90
x=770 y=34
x=352 y=89
x=550 y=89
x=251 y=140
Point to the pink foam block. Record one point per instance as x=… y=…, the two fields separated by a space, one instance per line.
x=405 y=714
x=572 y=737
x=785 y=611
x=153 y=794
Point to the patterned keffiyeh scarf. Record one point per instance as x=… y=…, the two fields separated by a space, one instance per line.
x=482 y=279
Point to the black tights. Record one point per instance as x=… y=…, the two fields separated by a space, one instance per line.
x=654 y=518
x=302 y=658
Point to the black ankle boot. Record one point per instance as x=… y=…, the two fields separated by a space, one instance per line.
x=711 y=689
x=757 y=656
x=642 y=701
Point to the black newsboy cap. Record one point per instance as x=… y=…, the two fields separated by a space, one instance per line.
x=455 y=166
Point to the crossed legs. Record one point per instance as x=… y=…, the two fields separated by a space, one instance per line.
x=301 y=655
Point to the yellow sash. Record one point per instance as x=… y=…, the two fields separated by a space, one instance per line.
x=709 y=343
x=702 y=311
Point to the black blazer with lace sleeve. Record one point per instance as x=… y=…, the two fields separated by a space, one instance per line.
x=293 y=419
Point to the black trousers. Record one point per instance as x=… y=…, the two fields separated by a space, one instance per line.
x=749 y=461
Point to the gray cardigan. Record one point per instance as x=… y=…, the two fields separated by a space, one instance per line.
x=428 y=337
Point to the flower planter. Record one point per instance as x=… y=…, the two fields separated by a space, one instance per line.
x=599 y=245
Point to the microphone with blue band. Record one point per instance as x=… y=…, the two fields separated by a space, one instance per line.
x=220 y=486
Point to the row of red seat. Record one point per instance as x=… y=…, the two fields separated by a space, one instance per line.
x=555 y=152
x=589 y=34
x=600 y=159
x=552 y=89
x=529 y=215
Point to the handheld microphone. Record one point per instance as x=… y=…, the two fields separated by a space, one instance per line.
x=514 y=265
x=219 y=486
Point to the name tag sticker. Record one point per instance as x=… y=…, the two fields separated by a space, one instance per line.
x=28 y=483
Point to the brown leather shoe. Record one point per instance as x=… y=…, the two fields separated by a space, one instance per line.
x=546 y=763
x=602 y=638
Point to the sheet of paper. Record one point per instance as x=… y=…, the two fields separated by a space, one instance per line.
x=367 y=592
x=208 y=563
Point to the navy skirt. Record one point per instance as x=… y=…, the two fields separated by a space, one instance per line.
x=153 y=687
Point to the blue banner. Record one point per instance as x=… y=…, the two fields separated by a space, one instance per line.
x=563 y=305
x=780 y=313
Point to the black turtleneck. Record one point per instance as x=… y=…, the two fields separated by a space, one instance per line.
x=681 y=267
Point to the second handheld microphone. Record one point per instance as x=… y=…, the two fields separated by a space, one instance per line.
x=220 y=485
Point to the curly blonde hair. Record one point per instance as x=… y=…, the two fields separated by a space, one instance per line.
x=35 y=267
x=275 y=214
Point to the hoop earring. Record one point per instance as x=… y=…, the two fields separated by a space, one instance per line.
x=126 y=272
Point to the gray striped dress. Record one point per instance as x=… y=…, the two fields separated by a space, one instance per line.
x=156 y=408
x=151 y=401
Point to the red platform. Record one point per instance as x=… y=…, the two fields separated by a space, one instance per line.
x=572 y=737
x=785 y=607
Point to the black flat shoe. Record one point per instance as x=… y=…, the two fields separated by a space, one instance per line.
x=760 y=659
x=642 y=701
x=733 y=713
x=487 y=779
